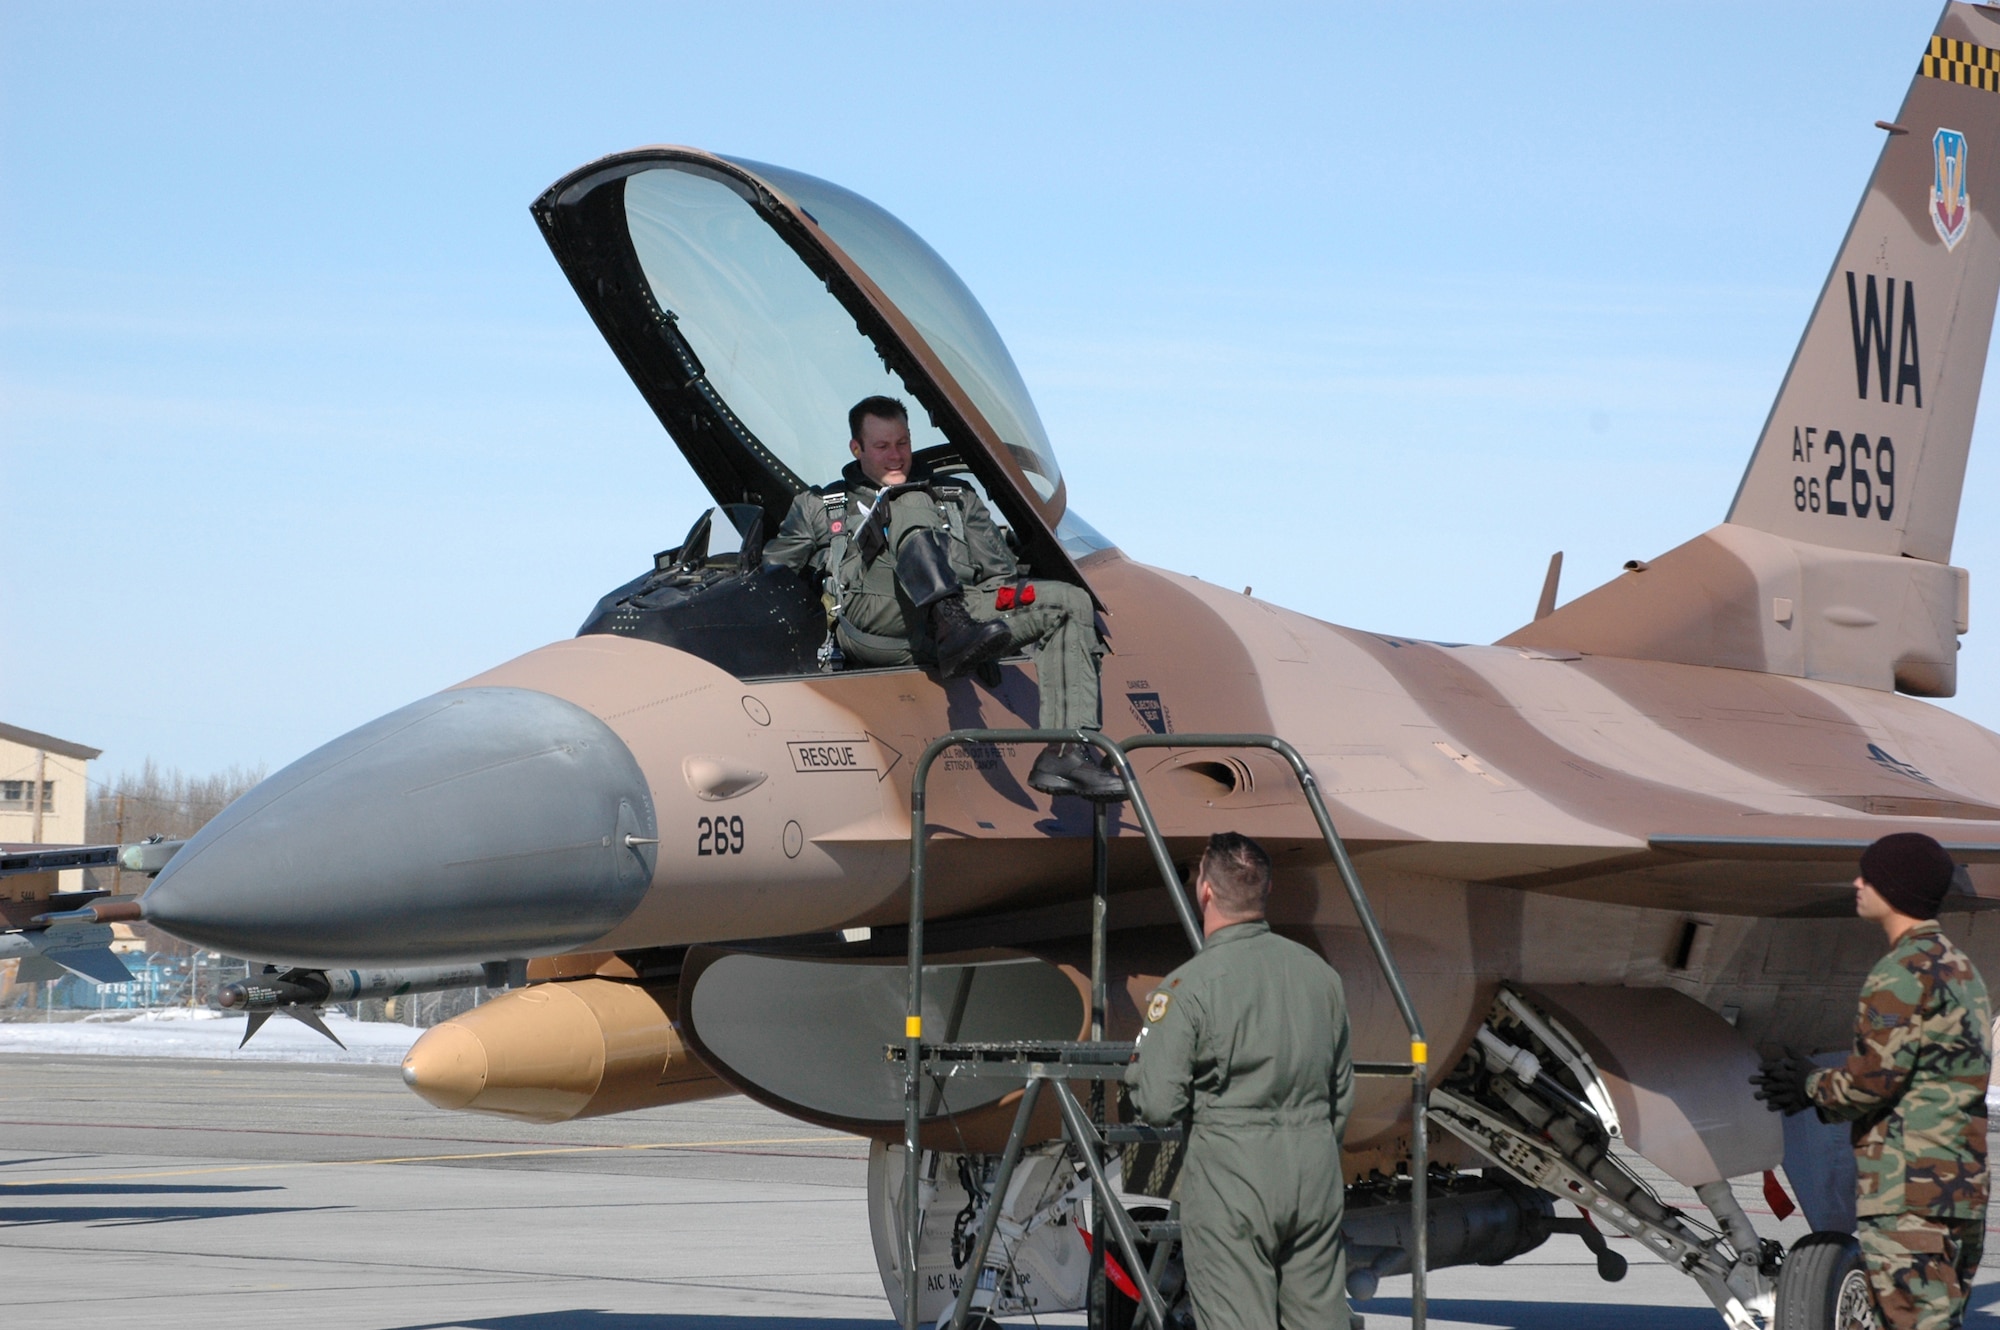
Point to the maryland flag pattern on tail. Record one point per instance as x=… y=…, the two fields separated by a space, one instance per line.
x=1915 y=1084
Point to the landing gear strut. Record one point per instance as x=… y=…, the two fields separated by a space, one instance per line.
x=1528 y=1097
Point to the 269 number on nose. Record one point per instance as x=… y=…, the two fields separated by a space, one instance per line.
x=718 y=835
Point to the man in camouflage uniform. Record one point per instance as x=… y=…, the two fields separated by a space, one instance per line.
x=918 y=571
x=1915 y=1090
x=1249 y=1039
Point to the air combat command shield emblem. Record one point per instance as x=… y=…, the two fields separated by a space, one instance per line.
x=1951 y=206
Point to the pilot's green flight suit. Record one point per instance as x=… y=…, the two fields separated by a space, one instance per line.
x=1251 y=1038
x=876 y=617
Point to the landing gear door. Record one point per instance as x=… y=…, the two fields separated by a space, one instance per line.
x=753 y=305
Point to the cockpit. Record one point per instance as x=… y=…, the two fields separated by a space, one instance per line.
x=752 y=306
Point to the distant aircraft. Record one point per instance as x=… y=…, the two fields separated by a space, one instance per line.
x=56 y=933
x=1618 y=840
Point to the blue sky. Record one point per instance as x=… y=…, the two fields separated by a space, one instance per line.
x=1370 y=309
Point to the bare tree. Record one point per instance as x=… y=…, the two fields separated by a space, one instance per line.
x=157 y=801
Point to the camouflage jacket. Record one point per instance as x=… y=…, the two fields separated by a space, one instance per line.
x=1915 y=1085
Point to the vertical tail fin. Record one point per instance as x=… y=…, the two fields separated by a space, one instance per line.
x=1866 y=444
x=1834 y=562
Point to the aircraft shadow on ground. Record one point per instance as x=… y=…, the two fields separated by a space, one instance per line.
x=117 y=1189
x=1515 y=1315
x=1577 y=1315
x=587 y=1319
x=116 y=1216
x=1510 y=1314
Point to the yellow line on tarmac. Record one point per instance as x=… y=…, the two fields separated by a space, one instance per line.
x=277 y=1165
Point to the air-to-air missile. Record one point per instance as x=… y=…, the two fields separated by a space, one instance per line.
x=1611 y=851
x=299 y=992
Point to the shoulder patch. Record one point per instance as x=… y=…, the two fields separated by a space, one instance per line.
x=1157 y=1007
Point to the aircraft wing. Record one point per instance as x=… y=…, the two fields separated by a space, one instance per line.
x=45 y=953
x=19 y=859
x=146 y=857
x=1801 y=849
x=1770 y=876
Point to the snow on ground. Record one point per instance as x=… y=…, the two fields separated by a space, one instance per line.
x=182 y=1032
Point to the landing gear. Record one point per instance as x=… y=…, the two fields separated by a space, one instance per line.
x=1040 y=1262
x=1168 y=1276
x=1823 y=1286
x=1528 y=1097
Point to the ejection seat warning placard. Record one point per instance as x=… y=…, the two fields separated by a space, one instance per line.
x=810 y=755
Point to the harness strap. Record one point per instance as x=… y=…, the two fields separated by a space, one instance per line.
x=873 y=641
x=835 y=502
x=950 y=500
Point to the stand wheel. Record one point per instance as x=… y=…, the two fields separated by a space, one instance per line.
x=1824 y=1287
x=1121 y=1310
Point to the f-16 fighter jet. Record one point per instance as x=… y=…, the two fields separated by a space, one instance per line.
x=1610 y=851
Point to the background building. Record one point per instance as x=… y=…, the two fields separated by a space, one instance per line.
x=44 y=792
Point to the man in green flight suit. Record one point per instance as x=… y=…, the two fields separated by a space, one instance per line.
x=918 y=571
x=1250 y=1039
x=1915 y=1090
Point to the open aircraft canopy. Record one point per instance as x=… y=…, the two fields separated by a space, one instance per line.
x=753 y=306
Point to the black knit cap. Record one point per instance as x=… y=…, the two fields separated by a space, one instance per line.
x=1910 y=871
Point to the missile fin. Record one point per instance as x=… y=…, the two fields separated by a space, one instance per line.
x=310 y=1017
x=254 y=1024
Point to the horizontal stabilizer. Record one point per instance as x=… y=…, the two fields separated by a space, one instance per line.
x=84 y=948
x=96 y=963
x=46 y=953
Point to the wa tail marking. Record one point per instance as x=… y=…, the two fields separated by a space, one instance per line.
x=1870 y=316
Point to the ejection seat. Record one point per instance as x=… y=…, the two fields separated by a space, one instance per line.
x=729 y=607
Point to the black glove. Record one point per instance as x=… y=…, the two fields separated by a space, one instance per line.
x=1781 y=1082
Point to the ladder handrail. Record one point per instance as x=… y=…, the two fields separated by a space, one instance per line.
x=1115 y=751
x=1348 y=877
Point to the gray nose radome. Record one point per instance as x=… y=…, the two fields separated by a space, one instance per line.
x=475 y=824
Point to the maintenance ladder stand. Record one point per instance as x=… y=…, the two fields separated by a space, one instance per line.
x=1057 y=1063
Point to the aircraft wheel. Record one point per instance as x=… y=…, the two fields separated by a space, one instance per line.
x=1124 y=1311
x=1823 y=1286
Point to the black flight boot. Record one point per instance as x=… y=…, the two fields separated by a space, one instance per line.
x=1076 y=769
x=964 y=643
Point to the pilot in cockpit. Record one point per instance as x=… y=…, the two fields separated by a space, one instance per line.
x=919 y=573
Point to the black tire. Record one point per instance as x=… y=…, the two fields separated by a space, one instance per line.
x=1823 y=1286
x=1122 y=1310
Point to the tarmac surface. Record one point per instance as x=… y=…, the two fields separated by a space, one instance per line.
x=187 y=1192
